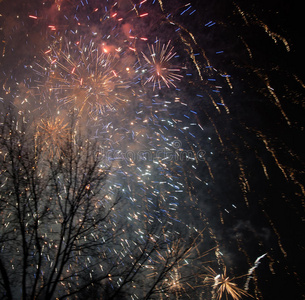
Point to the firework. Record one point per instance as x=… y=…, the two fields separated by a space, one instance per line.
x=223 y=286
x=85 y=78
x=159 y=68
x=52 y=134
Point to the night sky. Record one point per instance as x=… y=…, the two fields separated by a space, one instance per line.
x=239 y=99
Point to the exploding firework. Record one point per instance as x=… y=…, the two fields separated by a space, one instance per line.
x=160 y=70
x=51 y=135
x=223 y=286
x=84 y=77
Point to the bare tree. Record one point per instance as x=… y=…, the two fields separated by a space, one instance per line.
x=61 y=234
x=53 y=210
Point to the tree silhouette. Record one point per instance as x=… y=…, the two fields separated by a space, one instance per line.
x=62 y=234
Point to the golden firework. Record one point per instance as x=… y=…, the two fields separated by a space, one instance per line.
x=85 y=77
x=223 y=286
x=51 y=135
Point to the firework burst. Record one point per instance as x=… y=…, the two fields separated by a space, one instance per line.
x=223 y=286
x=85 y=77
x=51 y=135
x=159 y=66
